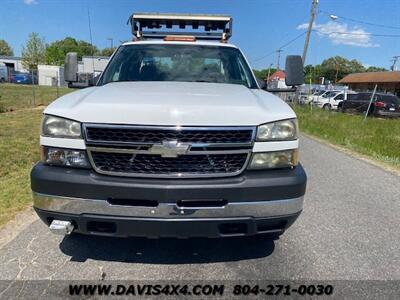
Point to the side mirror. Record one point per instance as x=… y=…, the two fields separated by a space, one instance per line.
x=294 y=70
x=71 y=67
x=93 y=81
x=261 y=84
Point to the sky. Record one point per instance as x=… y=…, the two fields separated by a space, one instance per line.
x=260 y=27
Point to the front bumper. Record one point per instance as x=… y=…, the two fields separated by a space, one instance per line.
x=254 y=202
x=382 y=113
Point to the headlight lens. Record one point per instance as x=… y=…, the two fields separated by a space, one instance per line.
x=274 y=160
x=60 y=127
x=278 y=131
x=65 y=157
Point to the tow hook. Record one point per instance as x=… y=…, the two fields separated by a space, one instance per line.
x=61 y=227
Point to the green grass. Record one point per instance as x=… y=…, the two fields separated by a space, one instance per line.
x=16 y=97
x=19 y=150
x=377 y=138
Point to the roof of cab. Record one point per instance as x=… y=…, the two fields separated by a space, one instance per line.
x=162 y=42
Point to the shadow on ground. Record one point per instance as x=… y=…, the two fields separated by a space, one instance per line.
x=166 y=251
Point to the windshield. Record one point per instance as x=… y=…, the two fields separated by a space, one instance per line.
x=329 y=94
x=191 y=63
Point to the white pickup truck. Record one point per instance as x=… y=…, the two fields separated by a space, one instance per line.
x=176 y=139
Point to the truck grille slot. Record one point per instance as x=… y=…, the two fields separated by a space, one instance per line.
x=155 y=164
x=154 y=136
x=169 y=151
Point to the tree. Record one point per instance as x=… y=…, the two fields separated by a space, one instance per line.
x=107 y=51
x=33 y=53
x=375 y=69
x=5 y=48
x=56 y=51
x=263 y=74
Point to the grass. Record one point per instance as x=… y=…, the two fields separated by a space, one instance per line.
x=15 y=97
x=19 y=143
x=19 y=150
x=376 y=138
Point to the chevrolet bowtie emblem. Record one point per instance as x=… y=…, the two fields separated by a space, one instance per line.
x=169 y=149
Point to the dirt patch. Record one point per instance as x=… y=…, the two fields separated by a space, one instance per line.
x=21 y=221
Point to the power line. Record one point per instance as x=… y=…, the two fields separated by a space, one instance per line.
x=356 y=33
x=359 y=21
x=283 y=46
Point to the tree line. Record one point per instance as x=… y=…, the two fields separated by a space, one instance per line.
x=36 y=51
x=332 y=69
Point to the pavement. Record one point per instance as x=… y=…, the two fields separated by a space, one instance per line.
x=349 y=229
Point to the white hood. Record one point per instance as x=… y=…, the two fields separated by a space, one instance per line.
x=171 y=103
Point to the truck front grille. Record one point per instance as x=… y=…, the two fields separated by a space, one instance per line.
x=136 y=151
x=158 y=135
x=156 y=165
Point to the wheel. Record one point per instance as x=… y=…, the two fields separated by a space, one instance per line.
x=326 y=107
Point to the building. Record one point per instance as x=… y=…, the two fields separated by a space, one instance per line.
x=93 y=64
x=13 y=63
x=51 y=75
x=388 y=82
x=276 y=80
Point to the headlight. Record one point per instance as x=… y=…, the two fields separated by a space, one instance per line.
x=65 y=157
x=278 y=131
x=60 y=127
x=274 y=160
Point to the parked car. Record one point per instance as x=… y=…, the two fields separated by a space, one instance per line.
x=332 y=99
x=187 y=146
x=382 y=104
x=321 y=94
x=3 y=73
x=23 y=78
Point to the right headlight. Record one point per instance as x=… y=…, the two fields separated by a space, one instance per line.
x=58 y=127
x=64 y=157
x=274 y=160
x=286 y=130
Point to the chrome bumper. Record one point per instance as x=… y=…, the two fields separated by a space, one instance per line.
x=80 y=206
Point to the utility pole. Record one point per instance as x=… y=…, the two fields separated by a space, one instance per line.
x=269 y=73
x=111 y=41
x=310 y=25
x=278 y=58
x=394 y=60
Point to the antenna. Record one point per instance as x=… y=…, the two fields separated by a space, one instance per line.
x=91 y=39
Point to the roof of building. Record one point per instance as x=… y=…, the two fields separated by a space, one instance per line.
x=96 y=57
x=277 y=75
x=10 y=57
x=372 y=77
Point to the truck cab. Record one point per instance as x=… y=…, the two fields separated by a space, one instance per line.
x=175 y=139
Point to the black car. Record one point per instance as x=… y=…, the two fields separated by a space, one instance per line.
x=382 y=104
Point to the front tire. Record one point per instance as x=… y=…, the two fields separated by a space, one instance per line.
x=326 y=107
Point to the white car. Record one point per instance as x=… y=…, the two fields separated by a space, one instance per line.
x=176 y=139
x=332 y=99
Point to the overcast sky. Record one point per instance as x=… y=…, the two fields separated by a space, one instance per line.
x=259 y=27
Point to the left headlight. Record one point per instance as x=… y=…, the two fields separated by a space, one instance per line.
x=285 y=130
x=274 y=160
x=60 y=128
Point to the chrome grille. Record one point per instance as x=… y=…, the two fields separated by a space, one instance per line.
x=137 y=151
x=154 y=135
x=157 y=165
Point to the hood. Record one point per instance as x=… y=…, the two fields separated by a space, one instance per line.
x=171 y=103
